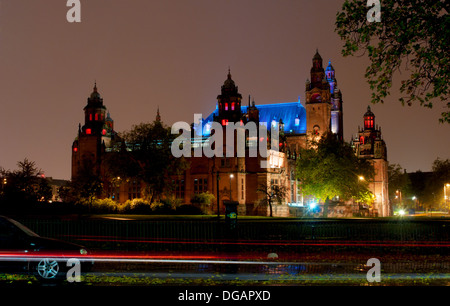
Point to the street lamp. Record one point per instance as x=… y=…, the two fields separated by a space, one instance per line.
x=231 y=176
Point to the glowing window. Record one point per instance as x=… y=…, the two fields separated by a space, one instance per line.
x=226 y=106
x=232 y=106
x=90 y=117
x=96 y=117
x=88 y=131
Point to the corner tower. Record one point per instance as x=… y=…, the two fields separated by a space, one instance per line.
x=337 y=126
x=369 y=144
x=93 y=137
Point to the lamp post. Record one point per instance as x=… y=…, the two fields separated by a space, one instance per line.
x=231 y=176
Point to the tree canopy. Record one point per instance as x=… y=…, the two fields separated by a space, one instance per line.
x=25 y=185
x=412 y=36
x=331 y=169
x=144 y=153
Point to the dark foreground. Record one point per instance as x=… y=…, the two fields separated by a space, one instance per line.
x=191 y=252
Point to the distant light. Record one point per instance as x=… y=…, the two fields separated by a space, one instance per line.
x=401 y=212
x=361 y=178
x=312 y=205
x=414 y=197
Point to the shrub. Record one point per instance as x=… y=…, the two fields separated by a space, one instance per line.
x=161 y=208
x=188 y=209
x=202 y=198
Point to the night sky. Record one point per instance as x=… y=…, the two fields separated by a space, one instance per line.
x=176 y=54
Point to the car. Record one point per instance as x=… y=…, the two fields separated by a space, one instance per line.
x=22 y=250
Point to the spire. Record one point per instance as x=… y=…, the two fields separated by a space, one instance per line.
x=317 y=55
x=158 y=116
x=95 y=94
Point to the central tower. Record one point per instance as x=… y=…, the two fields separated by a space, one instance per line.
x=323 y=101
x=318 y=100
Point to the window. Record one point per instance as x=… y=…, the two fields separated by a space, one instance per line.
x=200 y=185
x=232 y=106
x=88 y=131
x=134 y=190
x=316 y=130
x=96 y=117
x=179 y=187
x=225 y=162
x=226 y=106
x=114 y=191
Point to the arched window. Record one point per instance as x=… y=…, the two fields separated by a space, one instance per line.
x=316 y=130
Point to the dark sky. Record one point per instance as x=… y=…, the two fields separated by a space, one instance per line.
x=176 y=54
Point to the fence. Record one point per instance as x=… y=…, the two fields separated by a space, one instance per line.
x=202 y=230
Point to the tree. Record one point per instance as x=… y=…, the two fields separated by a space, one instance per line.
x=86 y=185
x=144 y=153
x=26 y=185
x=440 y=178
x=413 y=35
x=272 y=192
x=400 y=186
x=428 y=187
x=330 y=168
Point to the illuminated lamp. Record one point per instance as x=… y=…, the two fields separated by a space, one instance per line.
x=224 y=121
x=104 y=132
x=75 y=149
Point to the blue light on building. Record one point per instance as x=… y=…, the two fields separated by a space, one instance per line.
x=292 y=114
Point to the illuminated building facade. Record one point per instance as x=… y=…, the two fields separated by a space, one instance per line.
x=369 y=144
x=241 y=179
